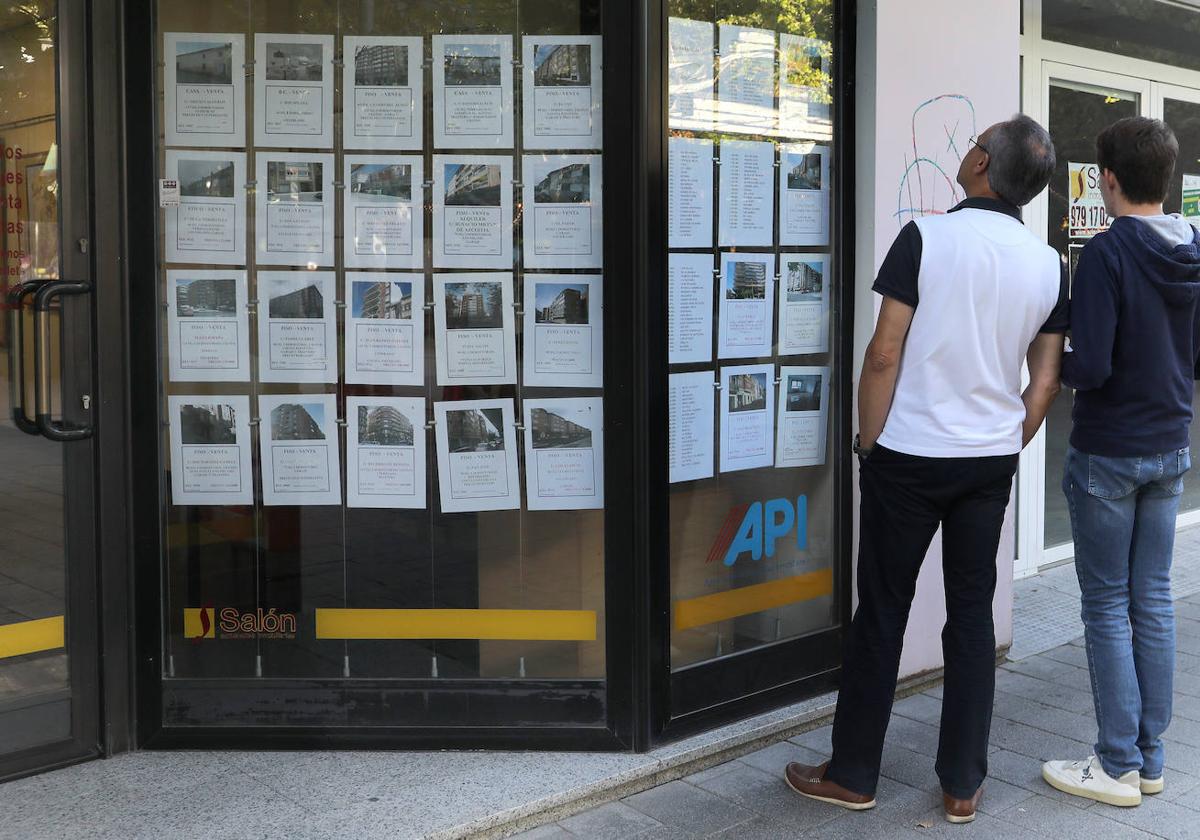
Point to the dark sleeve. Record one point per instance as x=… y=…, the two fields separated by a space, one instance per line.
x=1095 y=302
x=898 y=275
x=1060 y=317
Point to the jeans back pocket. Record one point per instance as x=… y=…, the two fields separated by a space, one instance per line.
x=1112 y=477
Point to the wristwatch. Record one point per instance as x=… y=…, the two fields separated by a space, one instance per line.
x=860 y=450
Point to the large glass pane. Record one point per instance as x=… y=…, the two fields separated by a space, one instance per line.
x=1154 y=30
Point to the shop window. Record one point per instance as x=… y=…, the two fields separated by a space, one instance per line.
x=1154 y=30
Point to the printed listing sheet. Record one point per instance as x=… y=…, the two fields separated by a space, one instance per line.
x=382 y=92
x=385 y=328
x=803 y=416
x=804 y=194
x=562 y=92
x=293 y=91
x=472 y=92
x=689 y=308
x=1191 y=198
x=210 y=450
x=383 y=213
x=689 y=192
x=746 y=293
x=209 y=224
x=294 y=209
x=204 y=89
x=297 y=327
x=803 y=304
x=747 y=198
x=298 y=440
x=564 y=330
x=564 y=454
x=563 y=215
x=747 y=417
x=472 y=211
x=385 y=452
x=474 y=328
x=208 y=330
x=690 y=72
x=804 y=82
x=746 y=93
x=477 y=455
x=690 y=425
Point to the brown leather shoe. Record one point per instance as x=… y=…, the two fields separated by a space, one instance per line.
x=961 y=810
x=810 y=781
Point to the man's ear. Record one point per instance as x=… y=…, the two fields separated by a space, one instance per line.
x=1110 y=181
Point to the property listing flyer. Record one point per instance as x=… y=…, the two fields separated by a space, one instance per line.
x=803 y=194
x=385 y=328
x=803 y=416
x=689 y=192
x=472 y=92
x=564 y=330
x=477 y=455
x=385 y=452
x=746 y=80
x=382 y=92
x=1086 y=214
x=690 y=72
x=210 y=450
x=208 y=330
x=294 y=213
x=1191 y=198
x=803 y=304
x=747 y=417
x=690 y=425
x=297 y=327
x=383 y=211
x=563 y=215
x=745 y=295
x=564 y=454
x=293 y=91
x=804 y=87
x=472 y=211
x=744 y=214
x=209 y=223
x=204 y=89
x=562 y=91
x=298 y=442
x=689 y=308
x=474 y=328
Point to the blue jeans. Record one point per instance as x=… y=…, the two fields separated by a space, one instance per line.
x=1123 y=521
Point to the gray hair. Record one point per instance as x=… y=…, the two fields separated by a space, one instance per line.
x=1021 y=159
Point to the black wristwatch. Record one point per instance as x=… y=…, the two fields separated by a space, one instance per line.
x=860 y=450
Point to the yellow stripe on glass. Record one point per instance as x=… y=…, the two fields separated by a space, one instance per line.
x=709 y=609
x=528 y=625
x=31 y=636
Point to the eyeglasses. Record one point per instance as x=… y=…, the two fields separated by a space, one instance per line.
x=974 y=142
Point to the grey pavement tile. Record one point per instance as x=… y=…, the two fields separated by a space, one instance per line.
x=1186 y=683
x=1187 y=662
x=919 y=707
x=913 y=735
x=774 y=758
x=911 y=768
x=665 y=832
x=817 y=740
x=1051 y=670
x=1157 y=817
x=933 y=823
x=710 y=773
x=1184 y=731
x=611 y=821
x=768 y=795
x=1045 y=815
x=1186 y=706
x=1178 y=785
x=1186 y=608
x=999 y=795
x=688 y=808
x=544 y=832
x=1070 y=698
x=897 y=801
x=1068 y=654
x=759 y=828
x=1183 y=759
x=1036 y=743
x=1047 y=718
x=862 y=825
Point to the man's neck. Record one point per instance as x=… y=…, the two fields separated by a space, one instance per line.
x=1127 y=209
x=983 y=192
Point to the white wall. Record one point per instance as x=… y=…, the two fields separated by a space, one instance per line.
x=931 y=73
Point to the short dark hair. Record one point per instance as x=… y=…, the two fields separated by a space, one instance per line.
x=1020 y=159
x=1141 y=152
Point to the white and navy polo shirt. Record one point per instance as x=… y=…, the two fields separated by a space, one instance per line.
x=983 y=287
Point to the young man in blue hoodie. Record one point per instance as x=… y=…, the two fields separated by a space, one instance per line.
x=1135 y=339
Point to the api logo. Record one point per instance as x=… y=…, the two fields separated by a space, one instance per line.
x=755 y=528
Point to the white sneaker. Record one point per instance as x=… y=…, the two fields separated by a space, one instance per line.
x=1153 y=786
x=1088 y=779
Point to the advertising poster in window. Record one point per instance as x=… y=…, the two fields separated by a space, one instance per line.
x=689 y=192
x=383 y=211
x=382 y=92
x=472 y=91
x=804 y=87
x=745 y=211
x=804 y=194
x=294 y=209
x=472 y=211
x=385 y=452
x=746 y=294
x=689 y=308
x=564 y=218
x=803 y=304
x=562 y=91
x=1085 y=206
x=803 y=416
x=474 y=329
x=691 y=425
x=299 y=449
x=210 y=450
x=385 y=328
x=204 y=89
x=1191 y=198
x=209 y=223
x=564 y=454
x=297 y=327
x=477 y=455
x=564 y=330
x=747 y=417
x=208 y=330
x=746 y=80
x=690 y=102
x=293 y=91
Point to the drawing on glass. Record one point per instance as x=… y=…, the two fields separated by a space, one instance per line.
x=941 y=129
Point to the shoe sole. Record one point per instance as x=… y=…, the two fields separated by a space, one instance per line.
x=849 y=806
x=1127 y=801
x=1152 y=786
x=959 y=820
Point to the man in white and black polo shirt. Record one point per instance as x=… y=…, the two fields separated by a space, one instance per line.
x=967 y=297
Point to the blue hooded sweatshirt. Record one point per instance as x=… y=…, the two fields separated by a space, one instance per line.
x=1135 y=338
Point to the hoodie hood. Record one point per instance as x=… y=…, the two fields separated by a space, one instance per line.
x=1168 y=255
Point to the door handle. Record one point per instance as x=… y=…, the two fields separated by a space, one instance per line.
x=41 y=355
x=16 y=355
